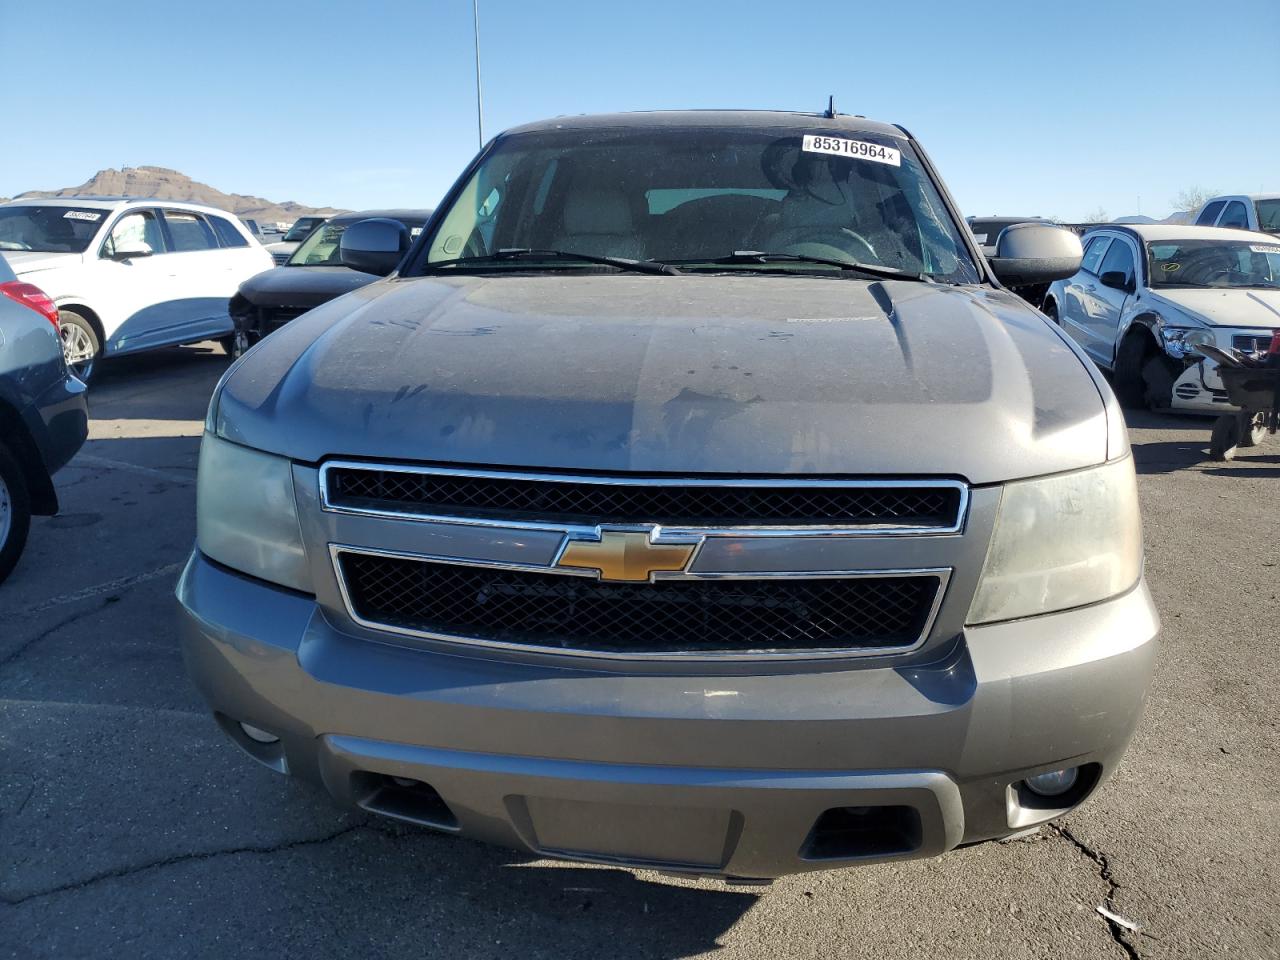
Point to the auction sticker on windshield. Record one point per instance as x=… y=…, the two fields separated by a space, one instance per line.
x=851 y=148
x=82 y=215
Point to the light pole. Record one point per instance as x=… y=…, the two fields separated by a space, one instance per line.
x=475 y=21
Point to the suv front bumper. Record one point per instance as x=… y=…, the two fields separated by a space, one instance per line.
x=724 y=774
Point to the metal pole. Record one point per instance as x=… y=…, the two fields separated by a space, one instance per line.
x=475 y=20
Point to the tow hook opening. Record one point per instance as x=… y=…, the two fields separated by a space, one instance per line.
x=403 y=798
x=851 y=833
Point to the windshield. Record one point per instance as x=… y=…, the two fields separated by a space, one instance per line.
x=49 y=229
x=320 y=249
x=303 y=227
x=692 y=196
x=1214 y=263
x=1269 y=215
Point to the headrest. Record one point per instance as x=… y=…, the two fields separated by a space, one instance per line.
x=597 y=211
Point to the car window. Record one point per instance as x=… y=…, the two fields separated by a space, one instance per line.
x=1119 y=259
x=1215 y=263
x=1209 y=215
x=189 y=232
x=1094 y=253
x=1235 y=216
x=138 y=231
x=228 y=234
x=48 y=229
x=1269 y=215
x=695 y=196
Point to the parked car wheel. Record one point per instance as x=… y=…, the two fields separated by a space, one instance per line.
x=1050 y=310
x=238 y=343
x=81 y=347
x=1131 y=388
x=15 y=511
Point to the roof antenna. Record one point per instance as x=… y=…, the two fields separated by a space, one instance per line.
x=831 y=107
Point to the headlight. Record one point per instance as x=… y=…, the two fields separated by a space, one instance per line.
x=1061 y=542
x=1179 y=341
x=246 y=518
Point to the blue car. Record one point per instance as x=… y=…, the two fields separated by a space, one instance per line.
x=43 y=415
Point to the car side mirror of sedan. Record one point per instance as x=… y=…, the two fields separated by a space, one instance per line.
x=1117 y=280
x=374 y=246
x=1036 y=253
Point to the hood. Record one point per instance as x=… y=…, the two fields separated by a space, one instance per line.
x=689 y=374
x=31 y=261
x=1226 y=308
x=301 y=286
x=281 y=246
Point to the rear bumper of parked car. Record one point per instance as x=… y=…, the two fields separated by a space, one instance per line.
x=59 y=420
x=732 y=775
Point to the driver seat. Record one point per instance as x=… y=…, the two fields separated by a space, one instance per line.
x=599 y=221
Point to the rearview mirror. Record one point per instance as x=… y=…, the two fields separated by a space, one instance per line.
x=1035 y=253
x=374 y=246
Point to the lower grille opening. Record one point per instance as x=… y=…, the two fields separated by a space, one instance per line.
x=403 y=799
x=847 y=833
x=669 y=616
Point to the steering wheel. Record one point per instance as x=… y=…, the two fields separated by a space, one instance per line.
x=835 y=242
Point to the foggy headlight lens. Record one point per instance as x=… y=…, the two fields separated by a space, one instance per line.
x=1061 y=542
x=1179 y=342
x=246 y=518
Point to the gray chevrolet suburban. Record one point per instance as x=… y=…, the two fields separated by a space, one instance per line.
x=692 y=495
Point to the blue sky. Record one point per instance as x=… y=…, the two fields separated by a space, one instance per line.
x=1055 y=109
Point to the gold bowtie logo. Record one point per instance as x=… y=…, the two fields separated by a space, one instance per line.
x=625 y=555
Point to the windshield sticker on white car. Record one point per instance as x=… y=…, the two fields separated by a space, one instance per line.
x=1259 y=248
x=82 y=215
x=852 y=148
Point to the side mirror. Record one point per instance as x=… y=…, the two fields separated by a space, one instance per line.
x=374 y=246
x=1036 y=253
x=1116 y=280
x=131 y=254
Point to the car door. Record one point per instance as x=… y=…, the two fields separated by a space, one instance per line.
x=204 y=278
x=1115 y=286
x=1079 y=292
x=130 y=286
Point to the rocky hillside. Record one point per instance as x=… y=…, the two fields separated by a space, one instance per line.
x=166 y=184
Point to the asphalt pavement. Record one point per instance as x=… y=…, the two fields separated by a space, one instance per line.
x=129 y=827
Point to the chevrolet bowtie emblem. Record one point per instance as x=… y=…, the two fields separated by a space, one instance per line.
x=625 y=555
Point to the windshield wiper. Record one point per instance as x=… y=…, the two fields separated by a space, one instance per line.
x=759 y=256
x=523 y=253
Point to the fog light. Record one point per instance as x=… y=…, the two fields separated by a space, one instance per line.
x=257 y=734
x=1054 y=783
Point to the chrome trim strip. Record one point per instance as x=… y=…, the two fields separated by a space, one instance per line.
x=943 y=574
x=588 y=531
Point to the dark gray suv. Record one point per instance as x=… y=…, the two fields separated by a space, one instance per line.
x=691 y=496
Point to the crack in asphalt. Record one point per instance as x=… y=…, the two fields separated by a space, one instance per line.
x=1101 y=861
x=121 y=872
x=49 y=631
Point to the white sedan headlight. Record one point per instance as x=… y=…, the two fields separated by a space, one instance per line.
x=1180 y=342
x=1060 y=542
x=246 y=517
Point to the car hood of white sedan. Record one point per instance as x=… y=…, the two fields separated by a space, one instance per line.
x=31 y=261
x=1226 y=308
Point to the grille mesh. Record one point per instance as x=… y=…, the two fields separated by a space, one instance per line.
x=694 y=616
x=670 y=505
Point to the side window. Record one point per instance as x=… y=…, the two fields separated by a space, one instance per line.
x=1210 y=214
x=137 y=232
x=1119 y=259
x=228 y=235
x=1235 y=216
x=1093 y=255
x=189 y=232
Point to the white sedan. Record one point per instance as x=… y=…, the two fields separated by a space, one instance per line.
x=130 y=274
x=1147 y=294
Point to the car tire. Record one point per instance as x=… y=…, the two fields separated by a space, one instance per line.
x=236 y=345
x=1050 y=310
x=81 y=346
x=1225 y=437
x=15 y=511
x=1131 y=387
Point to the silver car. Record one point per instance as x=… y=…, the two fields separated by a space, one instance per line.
x=692 y=496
